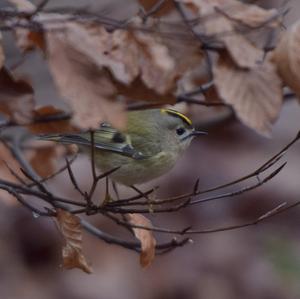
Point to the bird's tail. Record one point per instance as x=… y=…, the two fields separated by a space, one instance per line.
x=63 y=138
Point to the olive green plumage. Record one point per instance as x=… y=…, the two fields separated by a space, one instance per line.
x=149 y=147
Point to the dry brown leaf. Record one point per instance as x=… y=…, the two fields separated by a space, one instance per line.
x=46 y=120
x=180 y=42
x=16 y=98
x=146 y=238
x=23 y=5
x=46 y=111
x=92 y=66
x=234 y=10
x=166 y=8
x=253 y=15
x=166 y=55
x=221 y=20
x=7 y=159
x=79 y=58
x=44 y=156
x=29 y=40
x=84 y=85
x=253 y=88
x=242 y=51
x=70 y=228
x=126 y=54
x=157 y=68
x=255 y=94
x=287 y=59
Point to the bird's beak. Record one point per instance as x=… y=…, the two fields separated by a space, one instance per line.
x=195 y=133
x=198 y=133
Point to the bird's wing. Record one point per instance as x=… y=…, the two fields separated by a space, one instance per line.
x=106 y=138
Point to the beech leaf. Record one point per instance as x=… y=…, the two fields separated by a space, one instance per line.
x=91 y=67
x=49 y=119
x=94 y=67
x=165 y=8
x=146 y=238
x=8 y=162
x=221 y=22
x=45 y=156
x=29 y=40
x=72 y=254
x=252 y=15
x=16 y=98
x=83 y=84
x=287 y=59
x=255 y=94
x=23 y=5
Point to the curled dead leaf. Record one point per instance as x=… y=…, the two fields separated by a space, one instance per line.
x=255 y=94
x=287 y=59
x=165 y=8
x=83 y=84
x=16 y=98
x=29 y=40
x=159 y=60
x=23 y=5
x=94 y=68
x=242 y=51
x=252 y=15
x=146 y=238
x=7 y=161
x=44 y=156
x=252 y=88
x=222 y=22
x=49 y=119
x=72 y=254
x=46 y=111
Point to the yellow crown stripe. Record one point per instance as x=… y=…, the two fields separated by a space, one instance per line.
x=177 y=114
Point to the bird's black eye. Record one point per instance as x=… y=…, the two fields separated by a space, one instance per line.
x=180 y=131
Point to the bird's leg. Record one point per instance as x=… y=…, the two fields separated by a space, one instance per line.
x=107 y=197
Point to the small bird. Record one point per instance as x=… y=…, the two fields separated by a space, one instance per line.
x=149 y=147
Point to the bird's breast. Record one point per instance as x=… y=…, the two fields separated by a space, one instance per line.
x=133 y=171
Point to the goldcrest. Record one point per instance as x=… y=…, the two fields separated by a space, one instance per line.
x=149 y=147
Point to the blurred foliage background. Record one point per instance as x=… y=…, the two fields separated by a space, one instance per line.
x=261 y=262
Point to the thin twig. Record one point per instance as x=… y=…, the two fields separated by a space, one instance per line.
x=231 y=194
x=269 y=163
x=72 y=178
x=59 y=171
x=24 y=202
x=19 y=178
